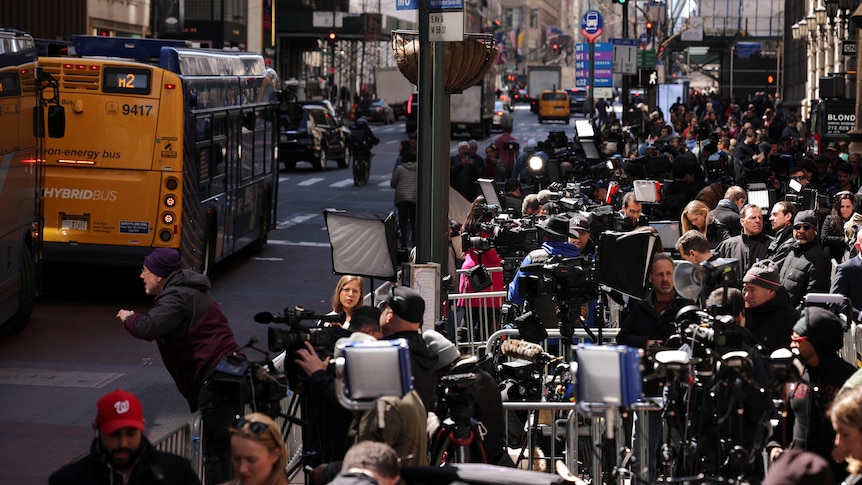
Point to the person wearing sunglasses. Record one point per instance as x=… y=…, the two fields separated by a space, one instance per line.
x=817 y=337
x=807 y=268
x=257 y=452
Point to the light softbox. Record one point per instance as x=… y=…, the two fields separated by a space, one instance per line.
x=363 y=244
x=624 y=259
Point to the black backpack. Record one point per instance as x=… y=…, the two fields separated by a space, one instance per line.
x=359 y=139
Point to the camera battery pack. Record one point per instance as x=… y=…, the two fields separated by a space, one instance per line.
x=608 y=374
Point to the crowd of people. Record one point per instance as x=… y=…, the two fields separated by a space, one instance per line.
x=711 y=156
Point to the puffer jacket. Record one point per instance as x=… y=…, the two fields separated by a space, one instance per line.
x=152 y=467
x=404 y=181
x=746 y=249
x=806 y=269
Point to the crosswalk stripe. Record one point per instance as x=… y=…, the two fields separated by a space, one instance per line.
x=310 y=181
x=342 y=183
x=297 y=219
x=298 y=243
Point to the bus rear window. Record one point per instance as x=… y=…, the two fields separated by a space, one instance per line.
x=9 y=85
x=126 y=80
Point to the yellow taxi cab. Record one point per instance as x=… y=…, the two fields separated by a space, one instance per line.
x=554 y=105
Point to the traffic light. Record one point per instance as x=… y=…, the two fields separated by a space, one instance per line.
x=770 y=79
x=332 y=38
x=556 y=48
x=649 y=28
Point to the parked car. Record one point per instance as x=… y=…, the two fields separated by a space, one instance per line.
x=502 y=117
x=311 y=133
x=374 y=110
x=577 y=98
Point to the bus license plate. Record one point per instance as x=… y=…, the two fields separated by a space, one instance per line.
x=74 y=223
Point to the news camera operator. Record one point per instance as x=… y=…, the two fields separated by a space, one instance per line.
x=484 y=397
x=556 y=241
x=631 y=215
x=647 y=324
x=330 y=421
x=480 y=258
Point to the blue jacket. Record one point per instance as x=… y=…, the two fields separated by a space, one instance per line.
x=553 y=248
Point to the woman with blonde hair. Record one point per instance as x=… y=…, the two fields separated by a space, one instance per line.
x=348 y=296
x=846 y=416
x=258 y=453
x=696 y=215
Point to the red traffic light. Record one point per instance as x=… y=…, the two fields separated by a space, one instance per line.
x=649 y=25
x=332 y=37
x=770 y=79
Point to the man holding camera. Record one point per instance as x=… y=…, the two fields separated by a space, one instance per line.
x=557 y=239
x=647 y=324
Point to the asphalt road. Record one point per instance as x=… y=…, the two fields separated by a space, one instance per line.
x=74 y=349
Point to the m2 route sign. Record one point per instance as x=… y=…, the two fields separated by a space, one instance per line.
x=591 y=25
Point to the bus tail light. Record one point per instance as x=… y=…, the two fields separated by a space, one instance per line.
x=171 y=183
x=170 y=86
x=170 y=200
x=167 y=218
x=165 y=235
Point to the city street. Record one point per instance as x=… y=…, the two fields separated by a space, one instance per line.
x=75 y=350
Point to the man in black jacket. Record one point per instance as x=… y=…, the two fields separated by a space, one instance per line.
x=781 y=219
x=727 y=210
x=750 y=246
x=648 y=323
x=120 y=452
x=807 y=268
x=768 y=313
x=402 y=318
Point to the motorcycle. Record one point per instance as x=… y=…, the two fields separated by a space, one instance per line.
x=361 y=167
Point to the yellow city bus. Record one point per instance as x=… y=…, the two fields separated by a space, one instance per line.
x=20 y=181
x=166 y=146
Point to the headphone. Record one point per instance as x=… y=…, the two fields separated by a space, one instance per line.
x=397 y=303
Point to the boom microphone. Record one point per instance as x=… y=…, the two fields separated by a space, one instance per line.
x=521 y=349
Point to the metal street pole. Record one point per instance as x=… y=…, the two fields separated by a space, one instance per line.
x=625 y=77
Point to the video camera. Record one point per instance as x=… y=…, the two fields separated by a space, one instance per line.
x=510 y=237
x=568 y=280
x=321 y=338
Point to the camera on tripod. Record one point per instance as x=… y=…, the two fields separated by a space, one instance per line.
x=321 y=338
x=509 y=237
x=568 y=280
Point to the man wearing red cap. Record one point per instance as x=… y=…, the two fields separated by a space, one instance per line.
x=120 y=452
x=193 y=335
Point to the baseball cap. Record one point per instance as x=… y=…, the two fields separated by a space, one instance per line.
x=578 y=223
x=442 y=347
x=119 y=409
x=407 y=304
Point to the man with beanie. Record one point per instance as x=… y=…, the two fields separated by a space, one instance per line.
x=483 y=394
x=402 y=318
x=120 y=453
x=817 y=337
x=807 y=267
x=193 y=335
x=768 y=312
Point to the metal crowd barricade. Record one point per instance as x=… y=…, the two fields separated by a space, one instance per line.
x=177 y=441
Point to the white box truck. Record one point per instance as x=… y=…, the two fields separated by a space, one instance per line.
x=473 y=110
x=394 y=88
x=541 y=78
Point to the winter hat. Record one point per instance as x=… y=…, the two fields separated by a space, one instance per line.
x=763 y=273
x=407 y=304
x=442 y=347
x=806 y=217
x=822 y=329
x=798 y=467
x=556 y=225
x=119 y=409
x=163 y=261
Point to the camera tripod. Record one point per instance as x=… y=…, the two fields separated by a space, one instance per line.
x=458 y=436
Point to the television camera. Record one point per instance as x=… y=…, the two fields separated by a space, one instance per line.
x=568 y=280
x=321 y=338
